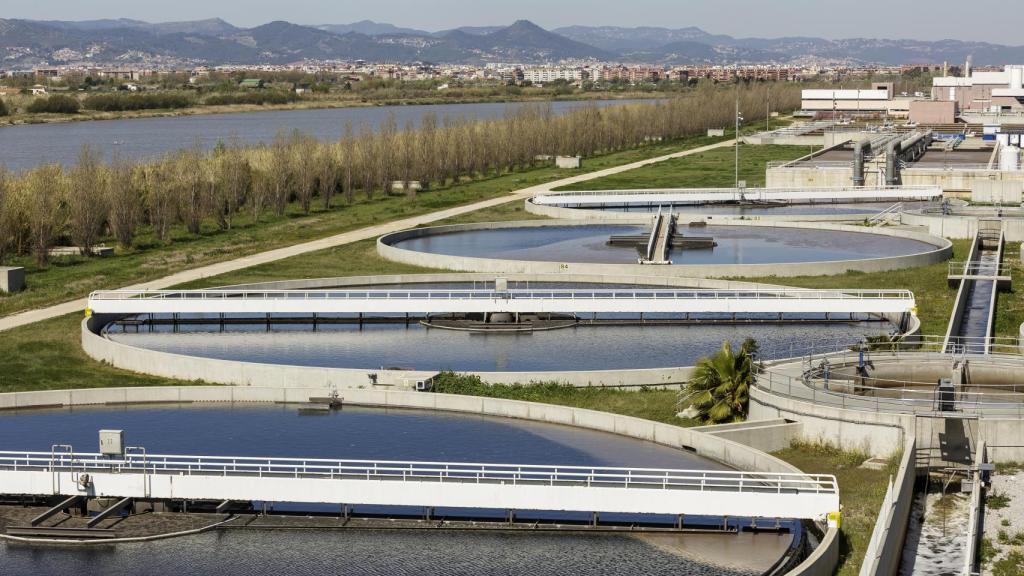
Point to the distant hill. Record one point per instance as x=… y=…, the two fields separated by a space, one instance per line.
x=27 y=43
x=370 y=28
x=666 y=45
x=212 y=26
x=644 y=38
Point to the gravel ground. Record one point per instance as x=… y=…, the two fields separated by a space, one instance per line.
x=1008 y=520
x=937 y=535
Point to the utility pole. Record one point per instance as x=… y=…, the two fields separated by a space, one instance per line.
x=739 y=118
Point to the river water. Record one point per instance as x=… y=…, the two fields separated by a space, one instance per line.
x=358 y=433
x=26 y=146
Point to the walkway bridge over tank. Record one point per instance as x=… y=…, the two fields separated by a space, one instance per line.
x=684 y=196
x=425 y=484
x=565 y=301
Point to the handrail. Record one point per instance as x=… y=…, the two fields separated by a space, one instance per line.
x=648 y=478
x=810 y=385
x=887 y=213
x=745 y=191
x=775 y=164
x=978 y=268
x=551 y=294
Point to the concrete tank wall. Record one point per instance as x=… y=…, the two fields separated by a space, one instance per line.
x=942 y=251
x=820 y=563
x=961 y=227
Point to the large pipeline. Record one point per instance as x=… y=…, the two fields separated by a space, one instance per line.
x=859 y=150
x=910 y=148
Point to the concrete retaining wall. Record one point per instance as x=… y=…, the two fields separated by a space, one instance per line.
x=764 y=435
x=885 y=548
x=385 y=247
x=821 y=563
x=882 y=433
x=961 y=227
x=876 y=433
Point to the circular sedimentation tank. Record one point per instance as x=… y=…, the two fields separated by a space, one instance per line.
x=584 y=343
x=700 y=249
x=268 y=430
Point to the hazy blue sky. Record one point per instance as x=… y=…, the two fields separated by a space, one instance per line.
x=993 y=20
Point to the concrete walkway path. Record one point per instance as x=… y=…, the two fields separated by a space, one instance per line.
x=40 y=314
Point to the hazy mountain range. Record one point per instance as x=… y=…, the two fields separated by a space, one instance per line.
x=25 y=43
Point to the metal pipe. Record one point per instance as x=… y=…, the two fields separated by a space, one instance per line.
x=859 y=150
x=892 y=154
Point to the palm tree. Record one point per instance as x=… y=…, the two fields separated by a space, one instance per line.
x=718 y=389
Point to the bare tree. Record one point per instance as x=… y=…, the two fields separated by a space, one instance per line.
x=9 y=216
x=194 y=189
x=87 y=199
x=232 y=184
x=304 y=172
x=278 y=175
x=327 y=174
x=161 y=198
x=45 y=209
x=123 y=192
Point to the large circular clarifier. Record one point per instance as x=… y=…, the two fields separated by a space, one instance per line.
x=734 y=244
x=392 y=341
x=416 y=347
x=357 y=433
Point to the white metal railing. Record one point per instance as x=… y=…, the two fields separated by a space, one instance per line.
x=798 y=129
x=1005 y=348
x=464 y=472
x=978 y=268
x=892 y=212
x=655 y=229
x=826 y=164
x=552 y=294
x=947 y=167
x=745 y=191
x=812 y=384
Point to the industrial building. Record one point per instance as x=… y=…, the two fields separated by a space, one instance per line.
x=977 y=99
x=983 y=97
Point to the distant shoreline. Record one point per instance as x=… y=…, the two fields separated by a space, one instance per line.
x=88 y=116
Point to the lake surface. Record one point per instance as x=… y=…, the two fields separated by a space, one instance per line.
x=416 y=347
x=26 y=146
x=278 y=430
x=736 y=244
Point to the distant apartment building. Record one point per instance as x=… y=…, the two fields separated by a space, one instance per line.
x=631 y=74
x=544 y=75
x=47 y=73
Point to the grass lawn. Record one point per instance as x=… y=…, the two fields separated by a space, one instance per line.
x=712 y=169
x=1010 y=304
x=48 y=355
x=861 y=491
x=934 y=297
x=68 y=278
x=649 y=404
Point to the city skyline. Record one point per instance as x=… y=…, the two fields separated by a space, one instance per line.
x=763 y=19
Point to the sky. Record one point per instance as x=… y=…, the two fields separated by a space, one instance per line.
x=916 y=19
